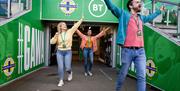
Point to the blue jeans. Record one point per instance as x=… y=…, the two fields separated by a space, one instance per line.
x=138 y=57
x=63 y=59
x=88 y=52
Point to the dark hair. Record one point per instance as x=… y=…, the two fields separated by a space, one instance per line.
x=128 y=4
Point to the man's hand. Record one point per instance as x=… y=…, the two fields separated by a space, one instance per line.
x=162 y=8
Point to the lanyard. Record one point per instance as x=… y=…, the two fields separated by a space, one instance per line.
x=137 y=22
x=139 y=32
x=63 y=39
x=89 y=40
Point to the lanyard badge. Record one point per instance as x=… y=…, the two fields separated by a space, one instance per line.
x=63 y=40
x=64 y=46
x=139 y=32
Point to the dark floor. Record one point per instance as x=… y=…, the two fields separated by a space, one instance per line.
x=46 y=79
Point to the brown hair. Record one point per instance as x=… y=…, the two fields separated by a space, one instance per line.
x=128 y=4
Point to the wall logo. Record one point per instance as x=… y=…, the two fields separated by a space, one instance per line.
x=97 y=8
x=68 y=6
x=8 y=67
x=150 y=68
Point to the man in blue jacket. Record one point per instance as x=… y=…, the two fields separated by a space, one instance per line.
x=130 y=37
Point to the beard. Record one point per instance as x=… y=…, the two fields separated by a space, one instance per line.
x=137 y=9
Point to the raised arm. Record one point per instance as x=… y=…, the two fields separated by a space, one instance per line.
x=80 y=34
x=151 y=16
x=114 y=9
x=54 y=39
x=154 y=15
x=102 y=33
x=76 y=25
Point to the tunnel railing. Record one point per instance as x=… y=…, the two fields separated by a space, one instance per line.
x=170 y=20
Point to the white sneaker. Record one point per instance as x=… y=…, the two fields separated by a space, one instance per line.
x=85 y=74
x=61 y=83
x=70 y=77
x=90 y=74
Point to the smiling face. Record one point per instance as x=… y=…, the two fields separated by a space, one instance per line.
x=62 y=27
x=89 y=32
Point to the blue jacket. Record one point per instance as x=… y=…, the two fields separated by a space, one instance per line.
x=123 y=18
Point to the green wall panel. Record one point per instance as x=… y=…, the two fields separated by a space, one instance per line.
x=16 y=38
x=92 y=10
x=166 y=61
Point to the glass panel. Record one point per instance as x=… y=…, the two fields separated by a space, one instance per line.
x=24 y=4
x=16 y=6
x=3 y=8
x=11 y=8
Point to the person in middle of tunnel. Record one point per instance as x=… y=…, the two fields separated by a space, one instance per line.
x=89 y=46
